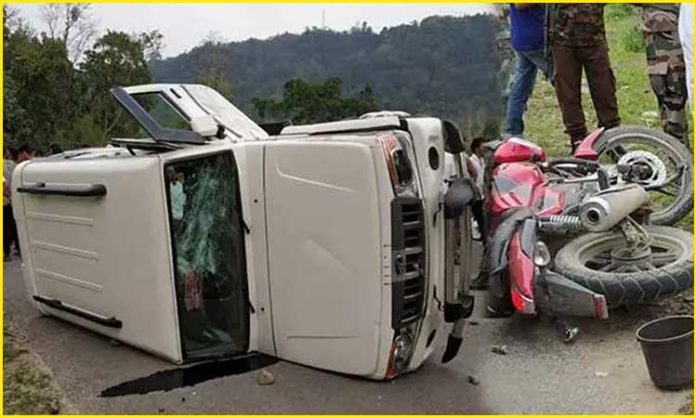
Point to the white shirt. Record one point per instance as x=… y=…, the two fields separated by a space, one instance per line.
x=686 y=36
x=480 y=167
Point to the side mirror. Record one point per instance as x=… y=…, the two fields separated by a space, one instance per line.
x=204 y=126
x=454 y=143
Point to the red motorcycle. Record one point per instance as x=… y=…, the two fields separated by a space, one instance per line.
x=577 y=236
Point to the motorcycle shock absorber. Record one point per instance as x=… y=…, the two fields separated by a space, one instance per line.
x=560 y=224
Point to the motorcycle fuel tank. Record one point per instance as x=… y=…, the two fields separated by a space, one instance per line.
x=523 y=184
x=517 y=150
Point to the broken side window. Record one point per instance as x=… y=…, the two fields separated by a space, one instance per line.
x=209 y=258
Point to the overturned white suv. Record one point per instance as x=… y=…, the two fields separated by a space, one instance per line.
x=340 y=246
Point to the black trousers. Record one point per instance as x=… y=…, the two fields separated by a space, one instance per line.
x=10 y=236
x=479 y=215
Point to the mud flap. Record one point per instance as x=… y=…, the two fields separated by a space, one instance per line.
x=557 y=295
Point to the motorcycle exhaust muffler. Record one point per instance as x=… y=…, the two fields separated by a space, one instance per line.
x=606 y=209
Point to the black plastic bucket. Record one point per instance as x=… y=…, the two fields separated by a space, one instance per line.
x=668 y=348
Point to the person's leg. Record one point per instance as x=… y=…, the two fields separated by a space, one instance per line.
x=567 y=79
x=666 y=72
x=602 y=84
x=543 y=62
x=14 y=239
x=675 y=123
x=522 y=86
x=7 y=232
x=481 y=280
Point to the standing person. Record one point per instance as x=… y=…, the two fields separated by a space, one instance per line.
x=477 y=169
x=578 y=42
x=527 y=23
x=25 y=152
x=666 y=67
x=686 y=35
x=9 y=236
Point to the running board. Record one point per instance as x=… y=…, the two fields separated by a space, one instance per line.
x=101 y=320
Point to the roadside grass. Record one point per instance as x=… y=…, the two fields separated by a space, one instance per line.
x=637 y=103
x=28 y=388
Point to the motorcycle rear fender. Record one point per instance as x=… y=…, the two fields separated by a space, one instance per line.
x=586 y=150
x=560 y=296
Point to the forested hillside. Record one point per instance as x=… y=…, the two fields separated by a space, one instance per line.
x=442 y=66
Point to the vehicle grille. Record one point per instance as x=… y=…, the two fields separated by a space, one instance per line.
x=408 y=261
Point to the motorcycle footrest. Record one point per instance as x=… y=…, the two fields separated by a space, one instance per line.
x=461 y=309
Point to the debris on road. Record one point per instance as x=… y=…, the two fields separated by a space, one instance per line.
x=114 y=343
x=599 y=373
x=473 y=380
x=499 y=349
x=264 y=377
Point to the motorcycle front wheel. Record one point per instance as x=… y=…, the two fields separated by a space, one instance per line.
x=596 y=261
x=667 y=166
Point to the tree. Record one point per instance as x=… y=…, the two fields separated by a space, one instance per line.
x=71 y=23
x=153 y=42
x=117 y=59
x=307 y=102
x=214 y=65
x=39 y=83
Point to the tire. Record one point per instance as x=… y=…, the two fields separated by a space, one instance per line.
x=627 y=288
x=684 y=203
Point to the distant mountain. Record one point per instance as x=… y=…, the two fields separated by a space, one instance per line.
x=442 y=66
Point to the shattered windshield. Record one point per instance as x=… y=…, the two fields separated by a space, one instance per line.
x=234 y=120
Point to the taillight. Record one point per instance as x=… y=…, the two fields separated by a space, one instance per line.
x=522 y=303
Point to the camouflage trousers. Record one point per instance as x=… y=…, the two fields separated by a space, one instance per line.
x=667 y=73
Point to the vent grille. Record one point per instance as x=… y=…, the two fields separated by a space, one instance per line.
x=408 y=261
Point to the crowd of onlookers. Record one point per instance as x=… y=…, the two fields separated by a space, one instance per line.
x=563 y=40
x=11 y=158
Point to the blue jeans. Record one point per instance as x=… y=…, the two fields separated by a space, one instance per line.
x=528 y=62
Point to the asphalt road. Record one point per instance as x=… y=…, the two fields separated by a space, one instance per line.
x=601 y=373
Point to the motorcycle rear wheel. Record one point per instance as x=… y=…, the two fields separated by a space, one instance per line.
x=671 y=151
x=588 y=261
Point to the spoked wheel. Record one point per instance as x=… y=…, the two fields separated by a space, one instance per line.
x=602 y=263
x=660 y=163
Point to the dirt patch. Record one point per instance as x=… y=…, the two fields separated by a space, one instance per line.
x=681 y=304
x=688 y=408
x=28 y=385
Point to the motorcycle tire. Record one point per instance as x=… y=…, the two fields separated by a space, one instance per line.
x=684 y=203
x=630 y=287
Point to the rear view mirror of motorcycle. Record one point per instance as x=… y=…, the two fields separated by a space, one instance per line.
x=454 y=142
x=206 y=126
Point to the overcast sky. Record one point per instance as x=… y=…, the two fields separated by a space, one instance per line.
x=185 y=25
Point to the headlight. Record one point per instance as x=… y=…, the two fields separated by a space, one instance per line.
x=398 y=163
x=542 y=255
x=400 y=355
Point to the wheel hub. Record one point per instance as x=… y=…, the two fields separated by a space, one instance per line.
x=651 y=169
x=631 y=256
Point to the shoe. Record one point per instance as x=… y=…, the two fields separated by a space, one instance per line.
x=480 y=282
x=492 y=312
x=570 y=333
